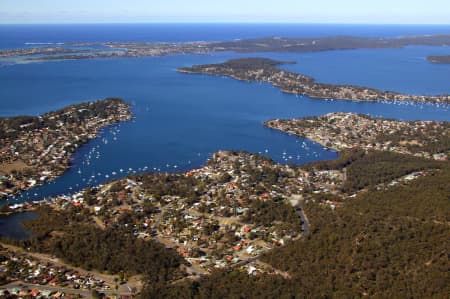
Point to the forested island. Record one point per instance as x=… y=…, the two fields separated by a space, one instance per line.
x=439 y=59
x=266 y=70
x=35 y=150
x=377 y=226
x=269 y=44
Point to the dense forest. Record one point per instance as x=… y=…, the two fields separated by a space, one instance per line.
x=368 y=169
x=345 y=158
x=382 y=167
x=432 y=140
x=265 y=212
x=385 y=244
x=117 y=251
x=254 y=63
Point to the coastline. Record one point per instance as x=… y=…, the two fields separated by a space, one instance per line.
x=312 y=138
x=249 y=45
x=241 y=222
x=266 y=70
x=340 y=131
x=49 y=156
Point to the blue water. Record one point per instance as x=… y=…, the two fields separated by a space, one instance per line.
x=401 y=70
x=13 y=36
x=181 y=119
x=11 y=225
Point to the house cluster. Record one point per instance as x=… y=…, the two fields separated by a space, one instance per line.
x=256 y=267
x=407 y=178
x=34 y=293
x=235 y=215
x=90 y=50
x=347 y=130
x=44 y=276
x=299 y=84
x=34 y=150
x=225 y=214
x=160 y=49
x=321 y=181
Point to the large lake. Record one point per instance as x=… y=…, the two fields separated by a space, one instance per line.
x=180 y=119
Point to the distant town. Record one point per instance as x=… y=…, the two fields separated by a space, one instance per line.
x=84 y=50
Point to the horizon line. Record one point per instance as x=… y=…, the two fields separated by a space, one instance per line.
x=229 y=23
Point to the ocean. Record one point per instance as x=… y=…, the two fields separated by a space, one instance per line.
x=181 y=119
x=15 y=36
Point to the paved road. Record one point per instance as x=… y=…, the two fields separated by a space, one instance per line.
x=297 y=202
x=305 y=221
x=109 y=279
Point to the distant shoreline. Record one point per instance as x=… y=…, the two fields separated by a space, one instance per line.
x=444 y=59
x=242 y=23
x=83 y=50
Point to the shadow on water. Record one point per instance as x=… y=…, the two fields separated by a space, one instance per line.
x=11 y=225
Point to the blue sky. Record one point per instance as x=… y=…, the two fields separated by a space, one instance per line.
x=298 y=11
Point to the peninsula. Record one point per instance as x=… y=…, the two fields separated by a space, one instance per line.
x=439 y=59
x=266 y=70
x=339 y=130
x=35 y=150
x=85 y=50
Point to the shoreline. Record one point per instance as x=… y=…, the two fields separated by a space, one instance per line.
x=24 y=209
x=49 y=155
x=340 y=131
x=312 y=138
x=266 y=70
x=78 y=50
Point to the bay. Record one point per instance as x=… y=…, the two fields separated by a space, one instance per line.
x=181 y=119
